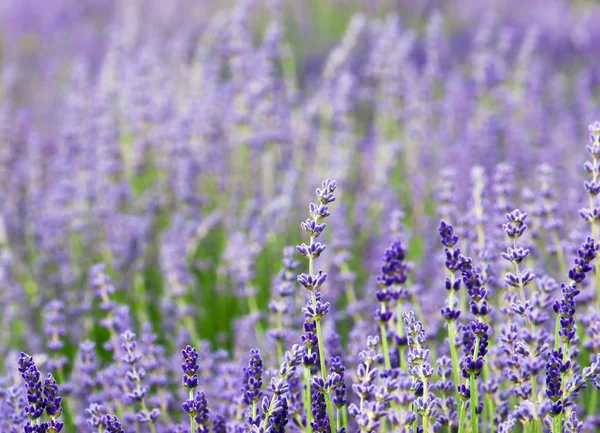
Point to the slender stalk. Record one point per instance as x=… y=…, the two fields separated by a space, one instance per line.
x=556 y=333
x=400 y=331
x=386 y=350
x=307 y=399
x=320 y=340
x=191 y=397
x=461 y=416
x=490 y=410
x=562 y=262
x=426 y=414
x=451 y=340
x=324 y=372
x=474 y=393
x=531 y=330
x=279 y=341
x=563 y=380
x=254 y=310
x=593 y=401
x=351 y=298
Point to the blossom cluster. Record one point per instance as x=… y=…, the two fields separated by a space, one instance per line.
x=214 y=227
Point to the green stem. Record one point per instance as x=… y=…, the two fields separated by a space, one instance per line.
x=386 y=350
x=279 y=341
x=191 y=397
x=474 y=393
x=562 y=263
x=461 y=416
x=474 y=403
x=400 y=331
x=490 y=410
x=556 y=333
x=330 y=409
x=425 y=415
x=307 y=399
x=350 y=294
x=254 y=310
x=451 y=340
x=593 y=401
x=563 y=380
x=322 y=359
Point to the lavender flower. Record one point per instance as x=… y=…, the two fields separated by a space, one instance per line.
x=113 y=425
x=390 y=279
x=419 y=367
x=253 y=382
x=137 y=391
x=315 y=310
x=592 y=213
x=41 y=397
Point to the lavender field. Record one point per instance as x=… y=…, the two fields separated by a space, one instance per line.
x=301 y=216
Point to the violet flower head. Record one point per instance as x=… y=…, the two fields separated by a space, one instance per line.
x=318 y=212
x=393 y=273
x=566 y=307
x=554 y=369
x=96 y=414
x=279 y=417
x=320 y=422
x=418 y=366
x=31 y=376
x=40 y=397
x=113 y=425
x=453 y=261
x=136 y=375
x=198 y=408
x=253 y=378
x=515 y=224
x=190 y=367
x=339 y=398
x=51 y=397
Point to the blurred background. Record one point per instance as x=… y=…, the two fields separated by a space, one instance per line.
x=179 y=142
x=40 y=41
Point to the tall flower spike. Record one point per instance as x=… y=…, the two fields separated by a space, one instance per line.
x=390 y=279
x=40 y=397
x=196 y=405
x=554 y=382
x=514 y=228
x=136 y=375
x=419 y=367
x=253 y=378
x=316 y=310
x=31 y=376
x=592 y=213
x=453 y=261
x=475 y=338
